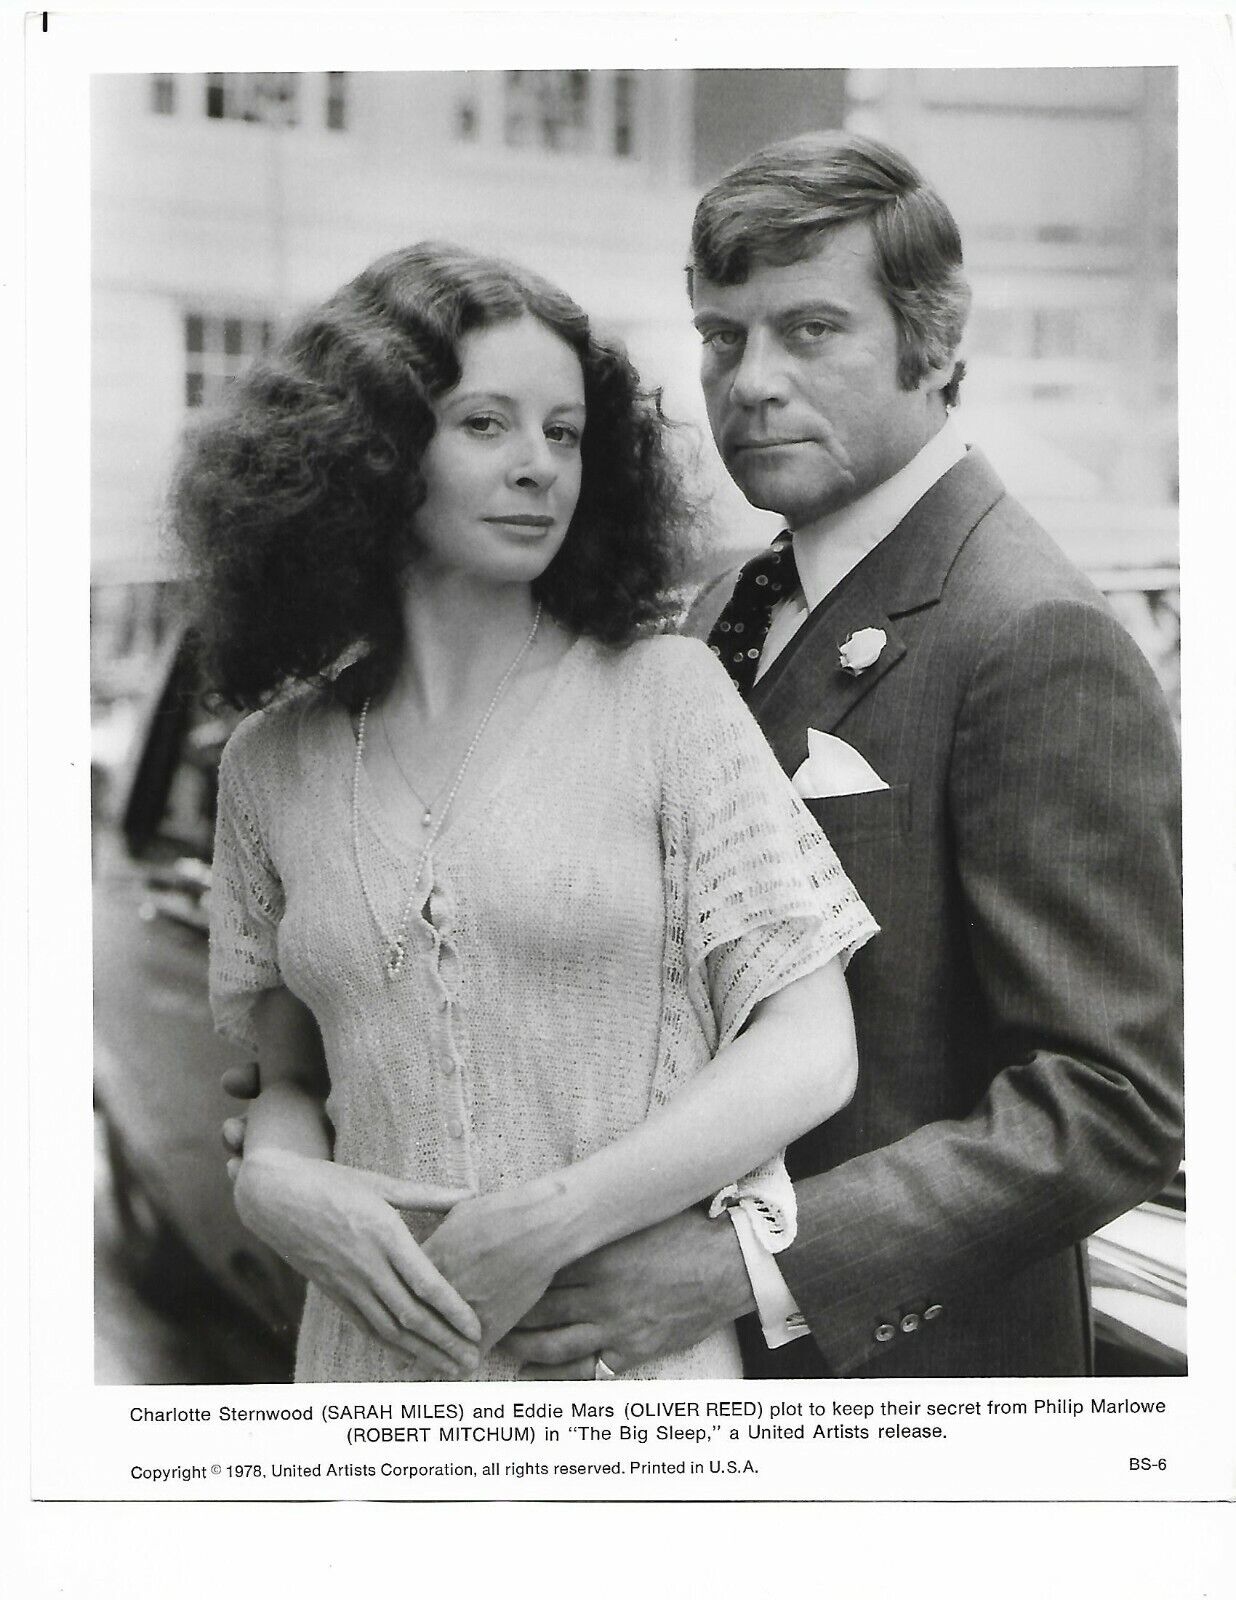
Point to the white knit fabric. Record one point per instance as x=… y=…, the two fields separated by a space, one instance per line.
x=589 y=932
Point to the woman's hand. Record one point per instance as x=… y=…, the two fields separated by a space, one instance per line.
x=338 y=1226
x=502 y=1250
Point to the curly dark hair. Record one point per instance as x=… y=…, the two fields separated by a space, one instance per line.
x=296 y=497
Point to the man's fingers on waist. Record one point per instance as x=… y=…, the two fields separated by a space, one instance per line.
x=573 y=1372
x=240 y=1082
x=559 y=1308
x=555 y=1346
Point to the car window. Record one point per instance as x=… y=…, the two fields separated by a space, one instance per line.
x=170 y=807
x=188 y=819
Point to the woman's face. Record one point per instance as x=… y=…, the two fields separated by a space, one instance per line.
x=502 y=470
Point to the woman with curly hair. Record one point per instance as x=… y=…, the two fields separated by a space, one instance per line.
x=533 y=940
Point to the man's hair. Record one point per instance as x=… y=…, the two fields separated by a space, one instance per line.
x=775 y=207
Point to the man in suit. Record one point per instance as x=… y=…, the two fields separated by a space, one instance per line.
x=1019 y=1016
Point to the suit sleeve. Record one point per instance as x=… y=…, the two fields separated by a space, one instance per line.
x=1064 y=802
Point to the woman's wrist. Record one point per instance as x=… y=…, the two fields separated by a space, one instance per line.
x=547 y=1210
x=248 y=1187
x=580 y=1217
x=258 y=1176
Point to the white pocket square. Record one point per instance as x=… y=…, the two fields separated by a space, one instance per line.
x=834 y=767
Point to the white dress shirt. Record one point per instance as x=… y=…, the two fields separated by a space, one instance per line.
x=828 y=549
x=825 y=552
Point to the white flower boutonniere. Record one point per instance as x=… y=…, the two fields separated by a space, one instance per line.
x=862 y=650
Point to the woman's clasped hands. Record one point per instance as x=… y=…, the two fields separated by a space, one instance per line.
x=439 y=1304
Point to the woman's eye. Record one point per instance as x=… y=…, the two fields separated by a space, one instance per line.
x=562 y=433
x=485 y=426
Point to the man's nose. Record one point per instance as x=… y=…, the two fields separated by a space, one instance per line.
x=760 y=376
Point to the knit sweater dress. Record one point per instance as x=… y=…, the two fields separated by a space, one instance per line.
x=587 y=933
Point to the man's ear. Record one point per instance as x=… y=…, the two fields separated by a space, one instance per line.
x=939 y=375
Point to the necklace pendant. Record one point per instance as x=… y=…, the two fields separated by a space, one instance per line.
x=394 y=959
x=427 y=820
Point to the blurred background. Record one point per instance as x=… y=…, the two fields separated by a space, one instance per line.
x=223 y=203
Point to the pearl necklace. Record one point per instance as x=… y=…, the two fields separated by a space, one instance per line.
x=428 y=806
x=397 y=943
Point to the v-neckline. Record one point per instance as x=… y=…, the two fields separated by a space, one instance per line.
x=375 y=813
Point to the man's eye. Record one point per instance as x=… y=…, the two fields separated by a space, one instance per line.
x=722 y=339
x=814 y=329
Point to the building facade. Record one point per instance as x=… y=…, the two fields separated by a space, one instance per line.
x=222 y=203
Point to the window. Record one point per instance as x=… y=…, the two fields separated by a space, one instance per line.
x=546 y=109
x=216 y=349
x=163 y=96
x=597 y=114
x=467 y=120
x=275 y=98
x=253 y=97
x=336 y=100
x=624 y=113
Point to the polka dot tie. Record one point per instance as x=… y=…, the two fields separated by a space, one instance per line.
x=740 y=630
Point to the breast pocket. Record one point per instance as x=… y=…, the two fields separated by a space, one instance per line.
x=881 y=815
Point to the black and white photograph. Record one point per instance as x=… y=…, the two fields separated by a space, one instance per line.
x=642 y=799
x=931 y=315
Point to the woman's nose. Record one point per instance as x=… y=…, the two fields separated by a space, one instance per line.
x=533 y=463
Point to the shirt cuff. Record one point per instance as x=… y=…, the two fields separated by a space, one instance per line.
x=776 y=1307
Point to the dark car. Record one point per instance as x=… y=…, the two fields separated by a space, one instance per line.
x=158 y=1063
x=157 y=1058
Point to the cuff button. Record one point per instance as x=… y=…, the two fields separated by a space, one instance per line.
x=885 y=1332
x=932 y=1312
x=910 y=1322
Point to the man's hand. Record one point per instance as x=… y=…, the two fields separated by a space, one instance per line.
x=659 y=1291
x=242 y=1083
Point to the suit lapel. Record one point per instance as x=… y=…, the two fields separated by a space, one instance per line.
x=806 y=686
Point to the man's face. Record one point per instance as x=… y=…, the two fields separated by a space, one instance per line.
x=799 y=372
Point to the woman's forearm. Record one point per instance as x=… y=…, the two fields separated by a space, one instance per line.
x=288 y=1116
x=289 y=1113
x=792 y=1068
x=337 y=1225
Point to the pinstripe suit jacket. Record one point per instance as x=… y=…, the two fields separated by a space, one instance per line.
x=1019 y=1017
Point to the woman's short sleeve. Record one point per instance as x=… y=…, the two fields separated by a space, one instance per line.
x=756 y=894
x=246 y=903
